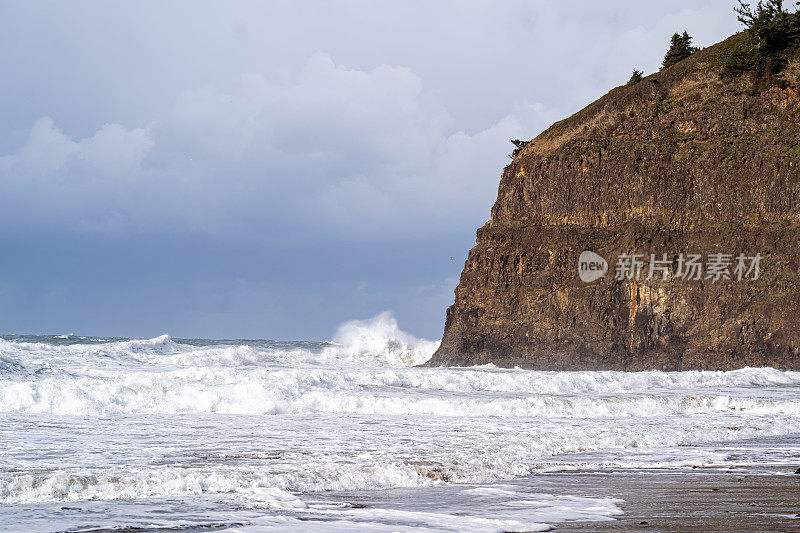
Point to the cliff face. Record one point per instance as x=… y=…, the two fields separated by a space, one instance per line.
x=684 y=162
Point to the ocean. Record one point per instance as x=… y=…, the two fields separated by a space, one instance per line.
x=168 y=434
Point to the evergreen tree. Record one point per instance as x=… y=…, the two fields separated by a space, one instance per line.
x=519 y=146
x=773 y=31
x=771 y=26
x=679 y=49
x=636 y=77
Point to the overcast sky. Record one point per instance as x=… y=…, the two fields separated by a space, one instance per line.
x=270 y=169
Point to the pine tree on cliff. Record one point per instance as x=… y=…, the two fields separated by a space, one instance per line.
x=772 y=27
x=679 y=49
x=636 y=77
x=773 y=32
x=519 y=146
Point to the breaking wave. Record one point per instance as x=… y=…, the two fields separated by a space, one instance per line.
x=398 y=391
x=380 y=341
x=360 y=391
x=365 y=369
x=374 y=342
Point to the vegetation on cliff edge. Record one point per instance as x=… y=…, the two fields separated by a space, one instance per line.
x=774 y=36
x=770 y=41
x=680 y=48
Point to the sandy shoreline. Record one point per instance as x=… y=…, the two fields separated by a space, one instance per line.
x=695 y=500
x=710 y=499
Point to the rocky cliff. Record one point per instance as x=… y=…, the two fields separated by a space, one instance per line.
x=690 y=160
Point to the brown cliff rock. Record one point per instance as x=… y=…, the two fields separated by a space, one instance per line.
x=686 y=161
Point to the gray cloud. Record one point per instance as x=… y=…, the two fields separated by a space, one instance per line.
x=273 y=168
x=335 y=148
x=241 y=124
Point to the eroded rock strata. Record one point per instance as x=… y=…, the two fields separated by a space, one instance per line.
x=686 y=161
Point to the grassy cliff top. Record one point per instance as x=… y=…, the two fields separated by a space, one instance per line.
x=726 y=67
x=713 y=139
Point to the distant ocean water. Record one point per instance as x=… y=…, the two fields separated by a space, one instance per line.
x=186 y=434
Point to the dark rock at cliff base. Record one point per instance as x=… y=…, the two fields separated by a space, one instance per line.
x=688 y=161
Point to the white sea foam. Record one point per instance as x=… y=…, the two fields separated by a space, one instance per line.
x=375 y=342
x=400 y=520
x=379 y=341
x=400 y=391
x=528 y=512
x=528 y=515
x=266 y=487
x=75 y=485
x=87 y=419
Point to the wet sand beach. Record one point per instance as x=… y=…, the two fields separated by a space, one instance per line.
x=758 y=498
x=740 y=500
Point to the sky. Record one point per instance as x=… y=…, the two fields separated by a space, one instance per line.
x=271 y=169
